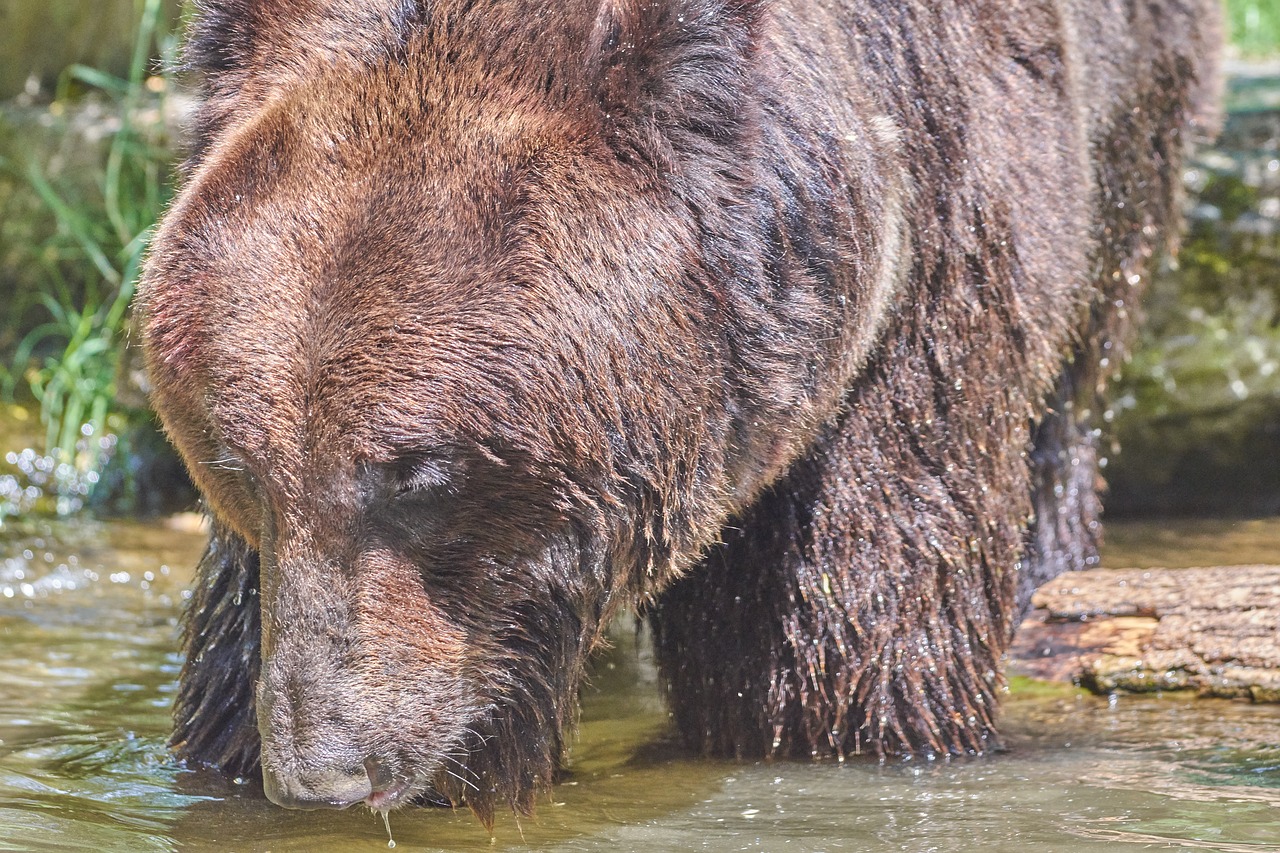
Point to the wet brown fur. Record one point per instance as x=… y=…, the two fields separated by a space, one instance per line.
x=476 y=322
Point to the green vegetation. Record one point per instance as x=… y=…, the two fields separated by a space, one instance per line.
x=81 y=275
x=1198 y=408
x=1025 y=687
x=1254 y=26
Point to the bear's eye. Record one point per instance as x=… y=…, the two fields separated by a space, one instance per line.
x=420 y=475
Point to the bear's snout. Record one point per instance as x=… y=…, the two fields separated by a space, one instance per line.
x=316 y=746
x=312 y=757
x=329 y=788
x=356 y=660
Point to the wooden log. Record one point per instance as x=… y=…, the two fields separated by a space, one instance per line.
x=1212 y=630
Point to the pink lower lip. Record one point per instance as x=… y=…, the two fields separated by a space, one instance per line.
x=387 y=798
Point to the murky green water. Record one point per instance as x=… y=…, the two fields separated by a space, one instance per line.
x=88 y=617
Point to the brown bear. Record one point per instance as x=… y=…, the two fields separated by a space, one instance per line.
x=480 y=323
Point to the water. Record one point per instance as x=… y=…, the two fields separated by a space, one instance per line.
x=88 y=627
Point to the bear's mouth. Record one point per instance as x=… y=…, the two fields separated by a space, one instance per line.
x=389 y=790
x=389 y=796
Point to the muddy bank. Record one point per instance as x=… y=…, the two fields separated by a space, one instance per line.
x=1208 y=630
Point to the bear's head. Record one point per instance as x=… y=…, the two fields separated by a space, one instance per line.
x=423 y=324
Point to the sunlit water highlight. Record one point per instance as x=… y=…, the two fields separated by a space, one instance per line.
x=89 y=638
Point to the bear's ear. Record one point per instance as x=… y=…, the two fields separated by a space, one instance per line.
x=675 y=67
x=244 y=35
x=243 y=48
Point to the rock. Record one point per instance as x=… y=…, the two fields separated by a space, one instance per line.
x=1212 y=630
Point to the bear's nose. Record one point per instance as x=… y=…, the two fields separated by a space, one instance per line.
x=318 y=789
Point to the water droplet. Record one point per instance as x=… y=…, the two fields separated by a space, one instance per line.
x=386 y=821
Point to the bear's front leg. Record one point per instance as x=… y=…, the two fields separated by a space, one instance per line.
x=864 y=602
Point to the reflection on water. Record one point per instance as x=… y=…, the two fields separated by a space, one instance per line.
x=88 y=620
x=1186 y=543
x=87 y=617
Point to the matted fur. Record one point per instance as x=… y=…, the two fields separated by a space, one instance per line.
x=476 y=322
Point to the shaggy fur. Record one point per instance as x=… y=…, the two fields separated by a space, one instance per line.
x=476 y=322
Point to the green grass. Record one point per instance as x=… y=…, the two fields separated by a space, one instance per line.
x=88 y=267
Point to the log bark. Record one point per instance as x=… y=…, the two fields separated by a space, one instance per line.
x=1212 y=630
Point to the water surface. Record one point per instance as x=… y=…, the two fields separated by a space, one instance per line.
x=88 y=624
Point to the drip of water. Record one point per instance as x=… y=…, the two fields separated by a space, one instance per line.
x=386 y=820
